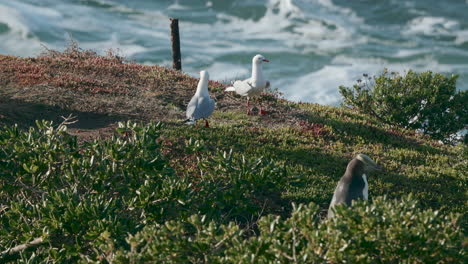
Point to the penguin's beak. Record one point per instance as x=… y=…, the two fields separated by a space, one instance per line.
x=379 y=168
x=369 y=164
x=372 y=166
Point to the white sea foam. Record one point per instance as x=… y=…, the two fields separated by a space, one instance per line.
x=19 y=39
x=177 y=6
x=261 y=29
x=404 y=53
x=315 y=46
x=346 y=12
x=292 y=29
x=322 y=86
x=462 y=37
x=124 y=48
x=431 y=26
x=14 y=20
x=63 y=19
x=226 y=72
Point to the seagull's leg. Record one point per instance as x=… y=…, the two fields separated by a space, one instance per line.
x=206 y=124
x=261 y=109
x=248 y=106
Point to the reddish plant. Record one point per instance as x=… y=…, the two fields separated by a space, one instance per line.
x=314 y=129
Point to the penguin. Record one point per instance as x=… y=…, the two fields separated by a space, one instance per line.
x=353 y=185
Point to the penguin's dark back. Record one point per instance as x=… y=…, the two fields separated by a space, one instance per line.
x=353 y=176
x=354 y=169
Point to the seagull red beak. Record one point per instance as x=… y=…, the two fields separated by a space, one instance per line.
x=265 y=60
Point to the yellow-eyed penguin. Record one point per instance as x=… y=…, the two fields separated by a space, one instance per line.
x=353 y=185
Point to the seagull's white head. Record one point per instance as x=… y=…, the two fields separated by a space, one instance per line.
x=202 y=87
x=204 y=75
x=257 y=59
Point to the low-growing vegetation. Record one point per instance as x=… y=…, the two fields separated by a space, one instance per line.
x=119 y=200
x=384 y=232
x=104 y=191
x=70 y=194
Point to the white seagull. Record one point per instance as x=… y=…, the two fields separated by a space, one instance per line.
x=201 y=106
x=254 y=85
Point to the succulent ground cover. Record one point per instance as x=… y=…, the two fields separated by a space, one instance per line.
x=105 y=189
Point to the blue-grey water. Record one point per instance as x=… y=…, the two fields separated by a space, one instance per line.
x=314 y=45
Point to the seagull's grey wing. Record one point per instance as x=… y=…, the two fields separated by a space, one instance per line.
x=205 y=107
x=243 y=87
x=192 y=107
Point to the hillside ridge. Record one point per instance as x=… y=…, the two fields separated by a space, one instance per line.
x=315 y=141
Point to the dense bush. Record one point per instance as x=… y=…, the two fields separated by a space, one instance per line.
x=74 y=195
x=385 y=231
x=426 y=101
x=117 y=200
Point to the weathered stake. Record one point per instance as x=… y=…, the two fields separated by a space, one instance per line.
x=175 y=39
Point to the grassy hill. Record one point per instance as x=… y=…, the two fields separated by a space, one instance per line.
x=242 y=168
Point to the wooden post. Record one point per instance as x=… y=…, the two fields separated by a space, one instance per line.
x=175 y=39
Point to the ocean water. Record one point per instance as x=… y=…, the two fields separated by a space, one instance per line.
x=313 y=45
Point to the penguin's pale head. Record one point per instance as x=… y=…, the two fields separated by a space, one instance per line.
x=259 y=59
x=369 y=164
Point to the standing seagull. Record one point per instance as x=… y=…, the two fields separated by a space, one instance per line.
x=353 y=185
x=254 y=85
x=201 y=105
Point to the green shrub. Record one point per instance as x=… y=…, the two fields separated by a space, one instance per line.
x=69 y=194
x=117 y=200
x=426 y=101
x=241 y=186
x=74 y=196
x=386 y=231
